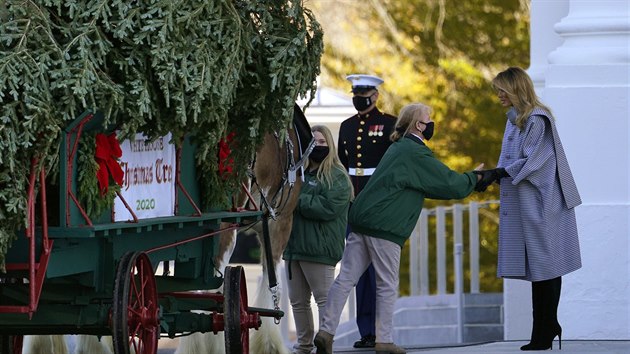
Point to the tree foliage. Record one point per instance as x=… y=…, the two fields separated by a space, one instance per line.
x=440 y=52
x=193 y=68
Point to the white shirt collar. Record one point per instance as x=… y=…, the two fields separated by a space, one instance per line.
x=417 y=136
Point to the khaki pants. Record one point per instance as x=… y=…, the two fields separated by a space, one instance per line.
x=359 y=252
x=307 y=278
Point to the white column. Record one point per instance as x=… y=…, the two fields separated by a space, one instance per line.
x=544 y=15
x=517 y=299
x=588 y=88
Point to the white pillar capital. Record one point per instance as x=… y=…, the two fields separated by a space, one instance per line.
x=544 y=14
x=594 y=32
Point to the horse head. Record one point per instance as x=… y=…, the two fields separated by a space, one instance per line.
x=277 y=177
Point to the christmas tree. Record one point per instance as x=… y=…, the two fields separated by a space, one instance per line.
x=201 y=69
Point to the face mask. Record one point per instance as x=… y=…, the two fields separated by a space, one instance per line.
x=428 y=130
x=361 y=103
x=319 y=153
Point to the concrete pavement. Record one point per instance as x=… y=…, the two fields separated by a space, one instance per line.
x=503 y=347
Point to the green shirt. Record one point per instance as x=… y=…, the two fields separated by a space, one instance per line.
x=390 y=204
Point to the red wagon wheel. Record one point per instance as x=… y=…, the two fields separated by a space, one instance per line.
x=135 y=318
x=235 y=311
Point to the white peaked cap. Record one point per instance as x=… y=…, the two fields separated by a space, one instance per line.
x=362 y=81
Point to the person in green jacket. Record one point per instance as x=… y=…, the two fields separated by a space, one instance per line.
x=382 y=218
x=317 y=237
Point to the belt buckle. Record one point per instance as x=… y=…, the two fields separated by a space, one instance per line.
x=359 y=171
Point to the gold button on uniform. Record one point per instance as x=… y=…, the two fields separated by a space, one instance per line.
x=358 y=138
x=359 y=164
x=362 y=122
x=359 y=155
x=360 y=130
x=358 y=147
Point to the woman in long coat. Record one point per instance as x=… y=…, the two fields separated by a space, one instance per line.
x=538 y=239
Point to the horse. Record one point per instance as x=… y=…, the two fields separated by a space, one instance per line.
x=58 y=344
x=275 y=185
x=50 y=344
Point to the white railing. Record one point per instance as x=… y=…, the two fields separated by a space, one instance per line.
x=419 y=253
x=419 y=247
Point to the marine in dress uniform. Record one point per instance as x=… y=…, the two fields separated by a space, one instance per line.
x=363 y=140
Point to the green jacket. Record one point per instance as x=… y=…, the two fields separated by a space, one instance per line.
x=390 y=204
x=319 y=220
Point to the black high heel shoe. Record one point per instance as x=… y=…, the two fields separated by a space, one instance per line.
x=547 y=343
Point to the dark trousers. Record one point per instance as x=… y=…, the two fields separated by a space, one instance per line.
x=366 y=303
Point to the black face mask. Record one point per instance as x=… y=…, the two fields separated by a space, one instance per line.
x=319 y=153
x=361 y=103
x=428 y=130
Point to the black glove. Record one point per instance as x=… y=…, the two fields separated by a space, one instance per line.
x=489 y=176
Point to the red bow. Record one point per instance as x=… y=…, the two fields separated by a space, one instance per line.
x=226 y=163
x=107 y=154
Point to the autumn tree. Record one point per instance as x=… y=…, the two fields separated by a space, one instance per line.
x=440 y=52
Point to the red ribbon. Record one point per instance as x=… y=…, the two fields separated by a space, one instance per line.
x=107 y=154
x=226 y=163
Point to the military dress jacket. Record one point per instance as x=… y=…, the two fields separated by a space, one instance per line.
x=538 y=238
x=363 y=140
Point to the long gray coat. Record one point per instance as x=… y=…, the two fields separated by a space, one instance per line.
x=538 y=237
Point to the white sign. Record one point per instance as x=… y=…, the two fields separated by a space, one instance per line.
x=149 y=181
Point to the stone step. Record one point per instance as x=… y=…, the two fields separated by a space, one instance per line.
x=450 y=300
x=420 y=313
x=432 y=320
x=483 y=333
x=437 y=316
x=425 y=316
x=483 y=314
x=428 y=335
x=483 y=299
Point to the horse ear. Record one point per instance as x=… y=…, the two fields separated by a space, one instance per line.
x=301 y=127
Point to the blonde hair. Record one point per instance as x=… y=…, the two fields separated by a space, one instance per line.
x=407 y=118
x=519 y=88
x=331 y=161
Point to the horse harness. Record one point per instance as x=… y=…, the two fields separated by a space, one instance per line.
x=274 y=205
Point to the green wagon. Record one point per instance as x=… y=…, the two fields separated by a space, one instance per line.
x=69 y=274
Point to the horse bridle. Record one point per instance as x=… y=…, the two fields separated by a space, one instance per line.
x=275 y=207
x=289 y=175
